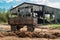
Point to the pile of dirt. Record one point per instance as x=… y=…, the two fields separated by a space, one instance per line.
x=24 y=34
x=56 y=34
x=1 y=35
x=4 y=34
x=35 y=35
x=9 y=34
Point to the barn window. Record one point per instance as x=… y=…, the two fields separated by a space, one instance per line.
x=18 y=9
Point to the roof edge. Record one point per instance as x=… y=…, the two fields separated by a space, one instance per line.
x=31 y=4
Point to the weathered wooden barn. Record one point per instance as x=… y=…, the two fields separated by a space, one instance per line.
x=41 y=14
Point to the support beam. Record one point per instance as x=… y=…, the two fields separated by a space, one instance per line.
x=55 y=13
x=51 y=17
x=43 y=17
x=43 y=11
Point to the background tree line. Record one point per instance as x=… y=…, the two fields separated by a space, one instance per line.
x=4 y=17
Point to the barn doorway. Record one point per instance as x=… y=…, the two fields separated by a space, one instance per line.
x=39 y=17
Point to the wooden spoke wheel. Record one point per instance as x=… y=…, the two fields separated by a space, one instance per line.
x=13 y=27
x=18 y=28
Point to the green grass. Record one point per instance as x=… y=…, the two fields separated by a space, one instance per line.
x=53 y=25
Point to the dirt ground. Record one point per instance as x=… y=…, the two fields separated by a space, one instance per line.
x=37 y=33
x=16 y=38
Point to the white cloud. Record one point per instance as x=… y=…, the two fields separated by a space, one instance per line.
x=39 y=1
x=52 y=4
x=14 y=6
x=11 y=0
x=8 y=1
x=48 y=3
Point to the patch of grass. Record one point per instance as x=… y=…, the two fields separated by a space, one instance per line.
x=53 y=25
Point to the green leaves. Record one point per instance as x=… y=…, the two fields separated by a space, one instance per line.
x=4 y=16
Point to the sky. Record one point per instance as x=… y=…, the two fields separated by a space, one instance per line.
x=8 y=4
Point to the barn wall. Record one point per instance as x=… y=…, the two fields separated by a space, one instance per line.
x=58 y=14
x=49 y=9
x=55 y=11
x=35 y=8
x=13 y=11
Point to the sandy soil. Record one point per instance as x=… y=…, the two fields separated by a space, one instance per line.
x=16 y=38
x=7 y=28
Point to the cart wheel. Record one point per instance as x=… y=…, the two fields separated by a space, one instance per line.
x=18 y=28
x=30 y=28
x=13 y=27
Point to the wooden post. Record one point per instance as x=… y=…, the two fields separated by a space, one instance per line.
x=55 y=16
x=51 y=17
x=13 y=27
x=43 y=11
x=32 y=14
x=43 y=17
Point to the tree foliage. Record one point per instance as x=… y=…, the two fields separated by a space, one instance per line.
x=4 y=16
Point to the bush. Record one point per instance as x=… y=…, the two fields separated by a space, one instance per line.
x=4 y=17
